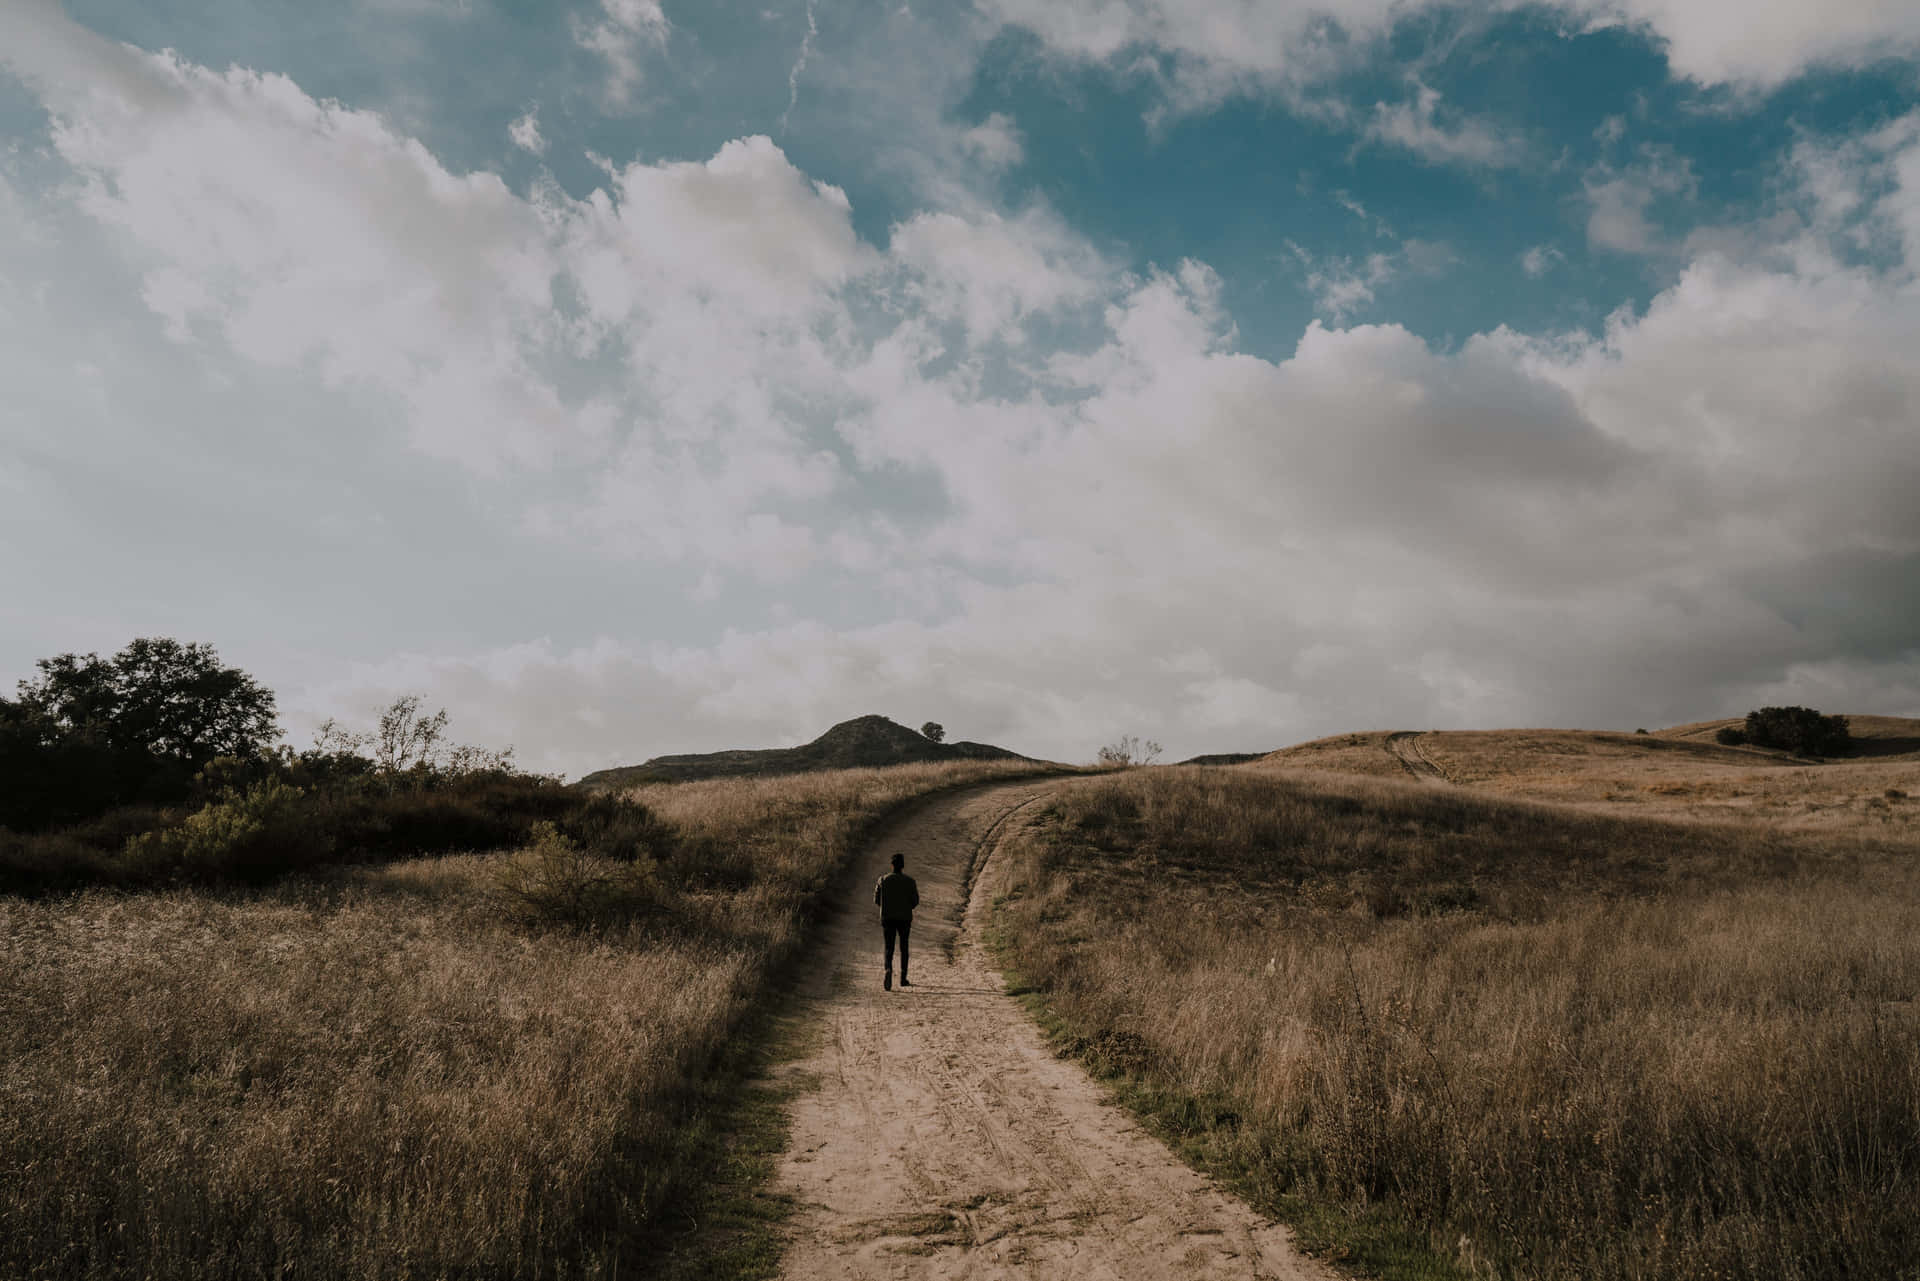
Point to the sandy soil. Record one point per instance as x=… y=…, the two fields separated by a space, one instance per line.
x=941 y=1139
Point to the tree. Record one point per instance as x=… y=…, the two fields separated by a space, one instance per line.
x=406 y=744
x=1800 y=730
x=1129 y=750
x=90 y=733
x=934 y=730
x=157 y=696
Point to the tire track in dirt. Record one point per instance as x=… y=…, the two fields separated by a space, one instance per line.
x=945 y=1141
x=1405 y=746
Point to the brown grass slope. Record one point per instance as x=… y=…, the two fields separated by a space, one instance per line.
x=866 y=742
x=1538 y=1040
x=386 y=1071
x=1680 y=772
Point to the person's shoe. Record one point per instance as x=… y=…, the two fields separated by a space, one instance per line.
x=886 y=980
x=903 y=981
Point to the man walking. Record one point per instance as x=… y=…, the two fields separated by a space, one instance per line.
x=897 y=896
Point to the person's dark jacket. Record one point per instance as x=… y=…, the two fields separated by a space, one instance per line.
x=897 y=896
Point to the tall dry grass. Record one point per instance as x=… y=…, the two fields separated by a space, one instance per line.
x=382 y=1072
x=1559 y=1045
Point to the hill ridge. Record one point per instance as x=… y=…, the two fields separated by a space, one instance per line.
x=862 y=742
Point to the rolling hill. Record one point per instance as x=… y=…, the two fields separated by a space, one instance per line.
x=1677 y=771
x=864 y=742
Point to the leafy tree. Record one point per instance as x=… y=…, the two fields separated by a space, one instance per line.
x=934 y=730
x=1800 y=730
x=156 y=696
x=90 y=733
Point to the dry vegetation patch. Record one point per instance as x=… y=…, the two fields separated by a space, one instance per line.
x=415 y=1070
x=1680 y=772
x=1556 y=1043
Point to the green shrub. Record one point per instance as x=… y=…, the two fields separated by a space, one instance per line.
x=555 y=884
x=260 y=825
x=475 y=813
x=1728 y=736
x=614 y=827
x=1800 y=730
x=254 y=835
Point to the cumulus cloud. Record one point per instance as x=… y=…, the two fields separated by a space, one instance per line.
x=990 y=272
x=1042 y=534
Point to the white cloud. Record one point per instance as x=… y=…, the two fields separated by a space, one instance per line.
x=1428 y=257
x=799 y=66
x=1202 y=52
x=1620 y=199
x=1762 y=43
x=1540 y=259
x=1139 y=528
x=1343 y=286
x=624 y=33
x=995 y=142
x=1415 y=126
x=1211 y=48
x=990 y=272
x=525 y=133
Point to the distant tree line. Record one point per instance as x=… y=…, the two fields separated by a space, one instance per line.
x=159 y=764
x=1800 y=730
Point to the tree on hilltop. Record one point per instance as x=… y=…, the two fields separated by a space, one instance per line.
x=934 y=730
x=1800 y=730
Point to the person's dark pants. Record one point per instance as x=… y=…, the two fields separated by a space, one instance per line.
x=891 y=929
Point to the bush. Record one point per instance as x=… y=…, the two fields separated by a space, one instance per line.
x=250 y=836
x=1800 y=730
x=1728 y=736
x=474 y=813
x=614 y=827
x=1129 y=750
x=555 y=884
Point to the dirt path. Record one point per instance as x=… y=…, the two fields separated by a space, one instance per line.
x=941 y=1139
x=1406 y=748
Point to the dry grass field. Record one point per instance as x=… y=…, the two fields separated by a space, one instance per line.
x=1454 y=1033
x=1680 y=772
x=385 y=1072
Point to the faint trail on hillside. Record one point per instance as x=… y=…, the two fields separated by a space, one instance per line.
x=1406 y=748
x=945 y=1141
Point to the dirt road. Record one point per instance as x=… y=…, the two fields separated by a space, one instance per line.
x=1405 y=747
x=942 y=1139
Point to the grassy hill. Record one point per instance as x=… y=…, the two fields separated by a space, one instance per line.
x=865 y=742
x=1663 y=1027
x=1678 y=772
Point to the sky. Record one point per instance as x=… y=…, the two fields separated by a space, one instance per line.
x=632 y=376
